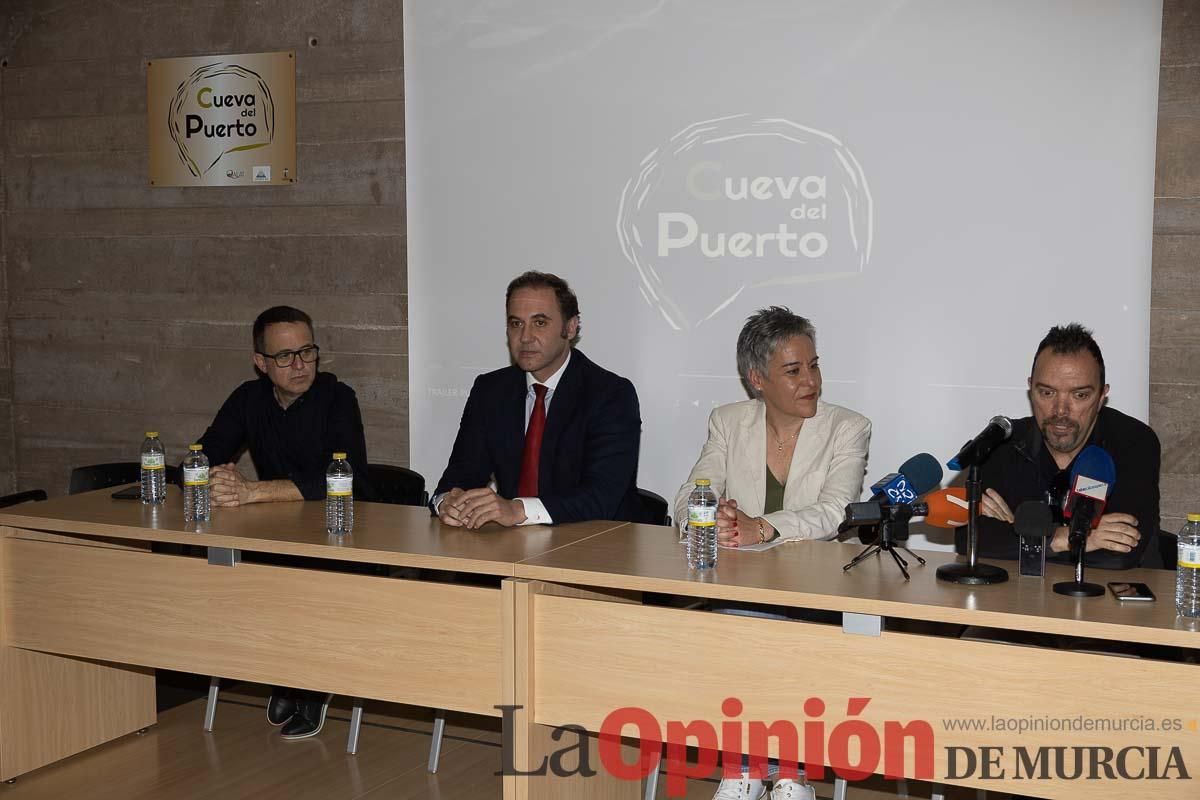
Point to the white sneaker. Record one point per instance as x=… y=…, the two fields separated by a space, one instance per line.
x=792 y=790
x=743 y=788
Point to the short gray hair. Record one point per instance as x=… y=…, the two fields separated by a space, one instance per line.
x=763 y=332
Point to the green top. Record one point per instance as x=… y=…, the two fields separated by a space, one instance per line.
x=774 y=501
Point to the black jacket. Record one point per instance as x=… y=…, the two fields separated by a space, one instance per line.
x=1022 y=469
x=589 y=458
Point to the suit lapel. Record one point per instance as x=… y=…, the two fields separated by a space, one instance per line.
x=511 y=424
x=562 y=408
x=808 y=449
x=754 y=428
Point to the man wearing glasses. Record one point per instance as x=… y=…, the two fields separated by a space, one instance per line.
x=292 y=419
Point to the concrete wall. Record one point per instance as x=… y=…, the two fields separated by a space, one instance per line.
x=127 y=307
x=1175 y=301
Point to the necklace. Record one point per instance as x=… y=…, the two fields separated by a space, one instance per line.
x=783 y=442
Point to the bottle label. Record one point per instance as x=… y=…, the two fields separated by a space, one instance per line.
x=153 y=461
x=195 y=476
x=1189 y=556
x=339 y=487
x=702 y=516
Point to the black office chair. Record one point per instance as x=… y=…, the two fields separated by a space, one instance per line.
x=118 y=473
x=1168 y=546
x=654 y=507
x=32 y=496
x=399 y=486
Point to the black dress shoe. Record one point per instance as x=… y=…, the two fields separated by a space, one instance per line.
x=309 y=718
x=282 y=706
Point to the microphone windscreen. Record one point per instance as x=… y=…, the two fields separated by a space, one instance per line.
x=1095 y=463
x=947 y=508
x=923 y=472
x=1034 y=520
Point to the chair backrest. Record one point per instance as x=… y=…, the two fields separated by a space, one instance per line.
x=118 y=473
x=654 y=507
x=102 y=476
x=399 y=486
x=33 y=495
x=1168 y=546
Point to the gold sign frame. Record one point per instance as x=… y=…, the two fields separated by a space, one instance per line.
x=224 y=120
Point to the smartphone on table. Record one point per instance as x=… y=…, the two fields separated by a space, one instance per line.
x=1131 y=592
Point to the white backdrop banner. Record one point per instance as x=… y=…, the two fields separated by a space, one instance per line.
x=933 y=184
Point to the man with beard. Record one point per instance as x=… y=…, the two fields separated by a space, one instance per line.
x=1068 y=395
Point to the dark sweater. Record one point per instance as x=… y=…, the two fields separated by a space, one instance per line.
x=1022 y=469
x=296 y=443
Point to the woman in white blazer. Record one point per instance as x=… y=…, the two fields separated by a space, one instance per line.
x=784 y=464
x=786 y=436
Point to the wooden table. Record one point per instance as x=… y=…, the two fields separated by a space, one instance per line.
x=589 y=656
x=87 y=610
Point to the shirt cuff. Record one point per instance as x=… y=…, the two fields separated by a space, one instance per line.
x=436 y=502
x=535 y=512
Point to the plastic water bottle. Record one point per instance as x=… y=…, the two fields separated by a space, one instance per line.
x=339 y=497
x=154 y=471
x=1187 y=580
x=196 y=504
x=702 y=526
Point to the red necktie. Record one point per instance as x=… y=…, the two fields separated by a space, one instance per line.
x=528 y=485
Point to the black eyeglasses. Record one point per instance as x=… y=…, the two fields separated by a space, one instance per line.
x=285 y=358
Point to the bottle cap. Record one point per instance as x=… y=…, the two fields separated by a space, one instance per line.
x=1193 y=517
x=195 y=448
x=151 y=434
x=339 y=456
x=703 y=482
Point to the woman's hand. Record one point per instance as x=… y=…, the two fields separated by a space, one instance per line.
x=735 y=528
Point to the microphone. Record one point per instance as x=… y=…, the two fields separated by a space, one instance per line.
x=916 y=476
x=1092 y=479
x=947 y=508
x=882 y=521
x=1034 y=523
x=977 y=450
x=861 y=514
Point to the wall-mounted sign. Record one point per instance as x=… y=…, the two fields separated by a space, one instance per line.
x=222 y=120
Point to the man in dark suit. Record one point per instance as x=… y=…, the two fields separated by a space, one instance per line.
x=556 y=433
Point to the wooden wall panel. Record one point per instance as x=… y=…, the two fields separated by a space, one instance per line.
x=124 y=306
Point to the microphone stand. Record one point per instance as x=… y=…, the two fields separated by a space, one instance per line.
x=1078 y=587
x=972 y=573
x=898 y=516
